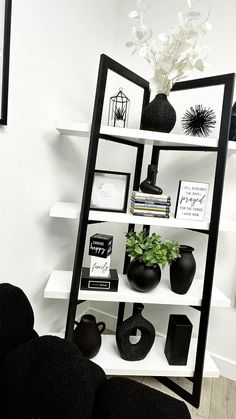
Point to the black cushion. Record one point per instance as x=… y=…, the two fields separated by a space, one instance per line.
x=16 y=318
x=120 y=398
x=48 y=378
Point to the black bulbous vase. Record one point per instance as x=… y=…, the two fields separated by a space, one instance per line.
x=141 y=277
x=158 y=115
x=182 y=270
x=139 y=350
x=87 y=335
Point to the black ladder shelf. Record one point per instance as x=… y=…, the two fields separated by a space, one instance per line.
x=106 y=63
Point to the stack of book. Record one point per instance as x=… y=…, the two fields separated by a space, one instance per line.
x=150 y=205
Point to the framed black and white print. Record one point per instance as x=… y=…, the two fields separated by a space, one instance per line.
x=110 y=191
x=191 y=200
x=5 y=29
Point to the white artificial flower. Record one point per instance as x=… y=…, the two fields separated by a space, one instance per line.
x=180 y=53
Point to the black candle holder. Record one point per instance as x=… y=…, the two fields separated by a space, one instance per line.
x=178 y=339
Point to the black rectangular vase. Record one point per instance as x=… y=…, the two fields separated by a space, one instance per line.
x=178 y=339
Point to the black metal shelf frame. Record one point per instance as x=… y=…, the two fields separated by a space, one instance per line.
x=106 y=63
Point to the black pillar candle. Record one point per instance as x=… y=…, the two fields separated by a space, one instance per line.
x=178 y=339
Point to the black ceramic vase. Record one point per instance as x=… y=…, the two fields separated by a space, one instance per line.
x=141 y=277
x=178 y=339
x=87 y=335
x=135 y=351
x=159 y=115
x=182 y=270
x=149 y=184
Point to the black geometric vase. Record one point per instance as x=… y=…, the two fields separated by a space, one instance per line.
x=135 y=351
x=178 y=339
x=159 y=115
x=182 y=270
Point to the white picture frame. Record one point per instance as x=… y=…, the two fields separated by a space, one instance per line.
x=191 y=200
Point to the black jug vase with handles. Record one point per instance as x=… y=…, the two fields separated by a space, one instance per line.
x=87 y=335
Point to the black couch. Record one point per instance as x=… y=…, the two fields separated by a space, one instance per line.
x=47 y=377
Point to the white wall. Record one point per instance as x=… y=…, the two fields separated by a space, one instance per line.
x=55 y=49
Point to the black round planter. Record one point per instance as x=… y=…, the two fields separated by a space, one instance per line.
x=87 y=335
x=141 y=277
x=159 y=115
x=135 y=351
x=182 y=270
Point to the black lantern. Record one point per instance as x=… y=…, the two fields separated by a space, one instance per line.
x=118 y=110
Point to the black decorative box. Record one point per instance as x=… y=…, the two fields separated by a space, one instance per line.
x=99 y=283
x=100 y=245
x=178 y=339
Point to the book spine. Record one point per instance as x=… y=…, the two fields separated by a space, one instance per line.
x=150 y=208
x=154 y=200
x=150 y=196
x=150 y=204
x=154 y=210
x=150 y=214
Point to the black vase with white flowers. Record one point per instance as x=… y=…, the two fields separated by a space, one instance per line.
x=148 y=253
x=159 y=115
x=179 y=55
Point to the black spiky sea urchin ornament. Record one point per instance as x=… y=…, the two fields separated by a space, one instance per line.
x=198 y=121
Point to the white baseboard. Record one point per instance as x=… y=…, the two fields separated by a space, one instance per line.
x=226 y=366
x=102 y=316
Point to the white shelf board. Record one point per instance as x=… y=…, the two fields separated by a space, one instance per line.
x=59 y=284
x=135 y=135
x=65 y=210
x=228 y=226
x=155 y=363
x=71 y=210
x=232 y=146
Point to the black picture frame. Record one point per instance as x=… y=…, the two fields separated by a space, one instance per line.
x=5 y=61
x=104 y=197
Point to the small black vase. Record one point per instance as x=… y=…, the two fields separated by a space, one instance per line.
x=149 y=184
x=139 y=350
x=182 y=270
x=87 y=335
x=159 y=115
x=141 y=277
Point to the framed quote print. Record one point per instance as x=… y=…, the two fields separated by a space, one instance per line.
x=191 y=200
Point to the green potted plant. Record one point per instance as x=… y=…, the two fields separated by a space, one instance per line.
x=148 y=253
